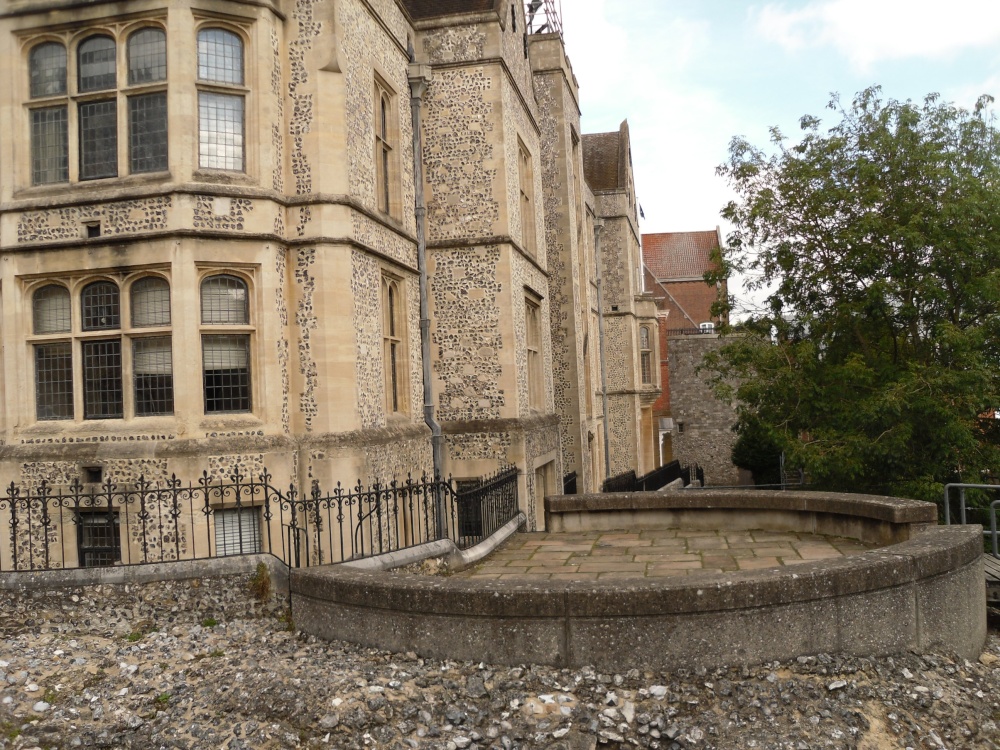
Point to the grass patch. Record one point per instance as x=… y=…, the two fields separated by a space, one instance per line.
x=162 y=700
x=9 y=730
x=209 y=622
x=260 y=583
x=216 y=653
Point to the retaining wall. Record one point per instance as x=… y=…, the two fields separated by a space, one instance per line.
x=925 y=594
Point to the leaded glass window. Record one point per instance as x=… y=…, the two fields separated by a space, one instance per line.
x=224 y=301
x=147 y=56
x=227 y=373
x=153 y=375
x=98 y=139
x=102 y=379
x=96 y=64
x=47 y=69
x=220 y=56
x=101 y=306
x=54 y=381
x=147 y=132
x=150 y=302
x=220 y=131
x=51 y=310
x=49 y=146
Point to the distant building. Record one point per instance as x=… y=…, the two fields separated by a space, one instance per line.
x=675 y=264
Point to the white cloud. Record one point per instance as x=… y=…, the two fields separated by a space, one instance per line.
x=632 y=66
x=869 y=31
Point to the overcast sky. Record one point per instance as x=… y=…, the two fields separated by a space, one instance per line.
x=690 y=74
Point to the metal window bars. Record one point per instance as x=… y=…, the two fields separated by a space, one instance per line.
x=70 y=526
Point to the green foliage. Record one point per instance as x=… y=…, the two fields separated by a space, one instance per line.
x=209 y=622
x=162 y=700
x=876 y=362
x=216 y=653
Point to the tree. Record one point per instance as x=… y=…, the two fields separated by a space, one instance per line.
x=876 y=363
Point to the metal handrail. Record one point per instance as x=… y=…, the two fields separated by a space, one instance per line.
x=962 y=487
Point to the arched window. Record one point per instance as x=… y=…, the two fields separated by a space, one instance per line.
x=47 y=69
x=150 y=302
x=147 y=56
x=220 y=56
x=51 y=309
x=707 y=327
x=393 y=345
x=224 y=301
x=645 y=356
x=220 y=112
x=96 y=64
x=225 y=353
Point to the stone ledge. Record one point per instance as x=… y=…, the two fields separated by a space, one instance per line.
x=924 y=592
x=889 y=509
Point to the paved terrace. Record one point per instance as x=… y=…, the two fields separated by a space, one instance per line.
x=657 y=553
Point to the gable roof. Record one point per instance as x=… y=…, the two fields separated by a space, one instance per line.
x=680 y=255
x=605 y=159
x=421 y=9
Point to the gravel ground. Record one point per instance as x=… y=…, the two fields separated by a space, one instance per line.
x=168 y=680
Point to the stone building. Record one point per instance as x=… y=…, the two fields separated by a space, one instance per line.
x=212 y=227
x=694 y=426
x=631 y=345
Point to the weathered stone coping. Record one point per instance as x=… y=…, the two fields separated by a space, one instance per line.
x=870 y=518
x=119 y=575
x=922 y=594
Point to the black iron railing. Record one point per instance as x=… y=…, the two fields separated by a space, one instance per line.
x=145 y=522
x=654 y=480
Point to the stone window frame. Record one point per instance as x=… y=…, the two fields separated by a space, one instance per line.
x=395 y=352
x=533 y=350
x=526 y=197
x=645 y=355
x=385 y=146
x=243 y=91
x=77 y=336
x=247 y=330
x=71 y=98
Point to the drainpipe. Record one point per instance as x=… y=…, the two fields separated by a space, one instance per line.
x=598 y=226
x=420 y=77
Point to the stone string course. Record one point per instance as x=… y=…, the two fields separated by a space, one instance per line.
x=117 y=218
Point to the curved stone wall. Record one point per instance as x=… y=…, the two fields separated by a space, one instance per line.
x=924 y=593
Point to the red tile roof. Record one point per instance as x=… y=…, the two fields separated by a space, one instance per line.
x=679 y=255
x=420 y=9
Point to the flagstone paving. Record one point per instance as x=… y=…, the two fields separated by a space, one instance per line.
x=654 y=553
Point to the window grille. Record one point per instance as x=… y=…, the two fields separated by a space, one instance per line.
x=51 y=309
x=147 y=56
x=153 y=375
x=150 y=302
x=100 y=305
x=96 y=62
x=533 y=332
x=98 y=538
x=237 y=531
x=526 y=181
x=383 y=147
x=54 y=381
x=102 y=379
x=47 y=68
